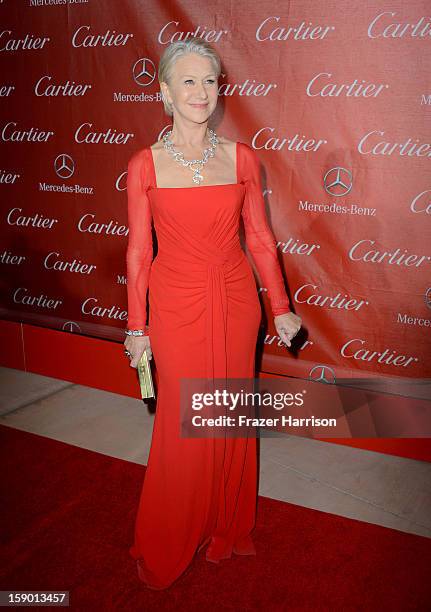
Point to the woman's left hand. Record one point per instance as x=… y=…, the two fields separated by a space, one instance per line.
x=287 y=325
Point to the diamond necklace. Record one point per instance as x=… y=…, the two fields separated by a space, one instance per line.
x=199 y=163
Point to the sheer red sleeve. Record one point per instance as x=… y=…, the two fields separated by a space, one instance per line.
x=260 y=240
x=140 y=241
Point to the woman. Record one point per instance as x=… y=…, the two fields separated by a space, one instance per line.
x=204 y=316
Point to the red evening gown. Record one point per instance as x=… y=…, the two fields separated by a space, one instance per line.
x=204 y=316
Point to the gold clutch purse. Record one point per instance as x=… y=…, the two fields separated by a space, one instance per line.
x=145 y=377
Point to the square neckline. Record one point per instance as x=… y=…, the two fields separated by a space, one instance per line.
x=195 y=186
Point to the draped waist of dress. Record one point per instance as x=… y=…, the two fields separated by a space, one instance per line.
x=211 y=267
x=177 y=257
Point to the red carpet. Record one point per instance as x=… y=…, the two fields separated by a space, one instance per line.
x=67 y=523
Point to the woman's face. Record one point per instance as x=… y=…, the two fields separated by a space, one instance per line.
x=193 y=87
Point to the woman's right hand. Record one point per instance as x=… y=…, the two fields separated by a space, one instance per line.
x=136 y=345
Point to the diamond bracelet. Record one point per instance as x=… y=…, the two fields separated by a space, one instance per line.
x=137 y=332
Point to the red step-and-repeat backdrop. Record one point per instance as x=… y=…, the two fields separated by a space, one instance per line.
x=334 y=97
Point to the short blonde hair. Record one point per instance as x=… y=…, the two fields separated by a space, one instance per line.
x=178 y=49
